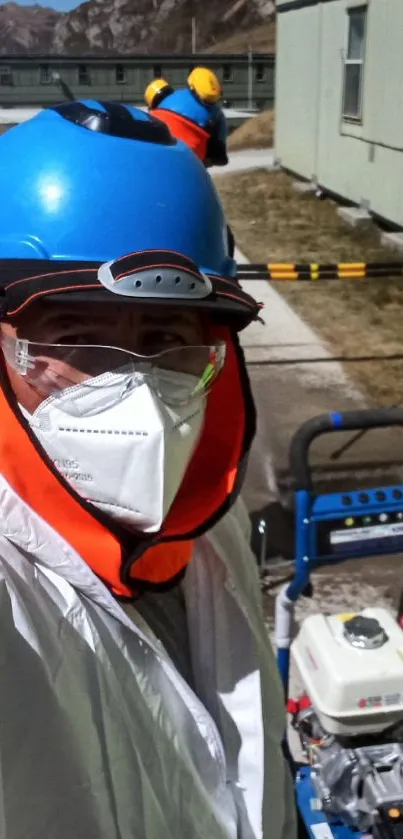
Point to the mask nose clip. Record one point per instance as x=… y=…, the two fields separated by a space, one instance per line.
x=130 y=384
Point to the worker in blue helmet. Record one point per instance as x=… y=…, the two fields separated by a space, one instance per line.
x=193 y=114
x=141 y=696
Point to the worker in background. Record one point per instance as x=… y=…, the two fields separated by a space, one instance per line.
x=193 y=114
x=141 y=696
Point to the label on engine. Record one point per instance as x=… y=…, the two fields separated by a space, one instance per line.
x=383 y=534
x=389 y=699
x=321 y=831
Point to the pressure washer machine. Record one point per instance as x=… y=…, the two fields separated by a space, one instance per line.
x=349 y=711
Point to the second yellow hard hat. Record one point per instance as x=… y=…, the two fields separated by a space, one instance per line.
x=156 y=91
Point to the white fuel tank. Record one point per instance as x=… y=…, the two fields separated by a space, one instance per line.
x=351 y=667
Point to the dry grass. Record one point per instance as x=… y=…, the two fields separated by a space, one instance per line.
x=259 y=39
x=272 y=222
x=255 y=133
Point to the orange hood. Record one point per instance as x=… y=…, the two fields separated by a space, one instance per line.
x=129 y=562
x=195 y=137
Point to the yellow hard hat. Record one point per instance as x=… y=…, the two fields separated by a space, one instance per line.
x=205 y=85
x=156 y=91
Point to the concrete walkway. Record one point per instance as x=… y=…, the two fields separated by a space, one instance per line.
x=242 y=161
x=287 y=395
x=11 y=116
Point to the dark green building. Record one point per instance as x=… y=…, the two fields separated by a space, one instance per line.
x=27 y=80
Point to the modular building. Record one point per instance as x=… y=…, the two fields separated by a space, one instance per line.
x=339 y=98
x=248 y=80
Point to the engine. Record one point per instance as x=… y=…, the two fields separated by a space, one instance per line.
x=350 y=716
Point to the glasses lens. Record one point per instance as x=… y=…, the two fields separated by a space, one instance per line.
x=55 y=367
x=177 y=375
x=198 y=367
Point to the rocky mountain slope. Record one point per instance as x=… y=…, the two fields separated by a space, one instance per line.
x=26 y=28
x=260 y=38
x=127 y=26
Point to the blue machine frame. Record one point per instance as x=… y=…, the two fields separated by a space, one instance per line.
x=332 y=528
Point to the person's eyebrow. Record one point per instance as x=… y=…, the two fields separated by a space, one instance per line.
x=72 y=318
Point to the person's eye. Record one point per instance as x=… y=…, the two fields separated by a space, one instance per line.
x=157 y=340
x=73 y=339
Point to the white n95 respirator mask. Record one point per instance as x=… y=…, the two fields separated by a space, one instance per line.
x=129 y=459
x=123 y=439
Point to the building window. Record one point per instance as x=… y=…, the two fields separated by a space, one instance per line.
x=260 y=73
x=157 y=71
x=354 y=63
x=83 y=75
x=6 y=76
x=120 y=74
x=227 y=73
x=45 y=74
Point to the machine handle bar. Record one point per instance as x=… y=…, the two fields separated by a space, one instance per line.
x=303 y=438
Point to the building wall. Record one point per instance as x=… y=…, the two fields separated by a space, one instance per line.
x=23 y=85
x=361 y=161
x=297 y=81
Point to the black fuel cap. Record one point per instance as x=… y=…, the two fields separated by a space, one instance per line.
x=364 y=632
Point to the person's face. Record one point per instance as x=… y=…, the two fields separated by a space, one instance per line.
x=144 y=330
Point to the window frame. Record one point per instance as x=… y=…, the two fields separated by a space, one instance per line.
x=87 y=74
x=120 y=68
x=227 y=78
x=45 y=74
x=260 y=68
x=6 y=73
x=355 y=62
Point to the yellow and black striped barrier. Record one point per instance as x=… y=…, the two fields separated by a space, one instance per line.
x=312 y=271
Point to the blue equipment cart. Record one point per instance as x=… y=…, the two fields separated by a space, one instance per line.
x=349 y=716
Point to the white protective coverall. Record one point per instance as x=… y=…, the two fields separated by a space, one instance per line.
x=100 y=736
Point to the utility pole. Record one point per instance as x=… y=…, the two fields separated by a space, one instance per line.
x=250 y=78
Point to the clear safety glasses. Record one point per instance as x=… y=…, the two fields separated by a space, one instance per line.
x=178 y=375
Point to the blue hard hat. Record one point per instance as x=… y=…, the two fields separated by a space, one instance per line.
x=186 y=104
x=91 y=182
x=55 y=176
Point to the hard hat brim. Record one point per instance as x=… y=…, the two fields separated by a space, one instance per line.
x=232 y=313
x=24 y=282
